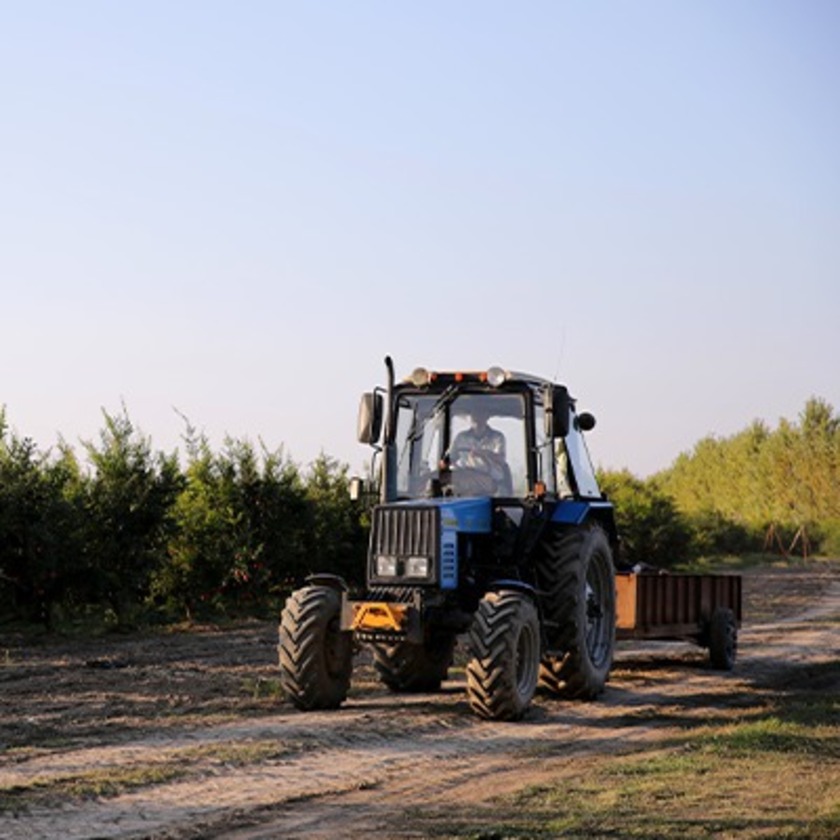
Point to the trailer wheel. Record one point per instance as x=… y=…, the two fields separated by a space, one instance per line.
x=505 y=655
x=723 y=639
x=406 y=667
x=576 y=571
x=316 y=656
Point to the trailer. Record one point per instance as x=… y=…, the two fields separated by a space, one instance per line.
x=701 y=608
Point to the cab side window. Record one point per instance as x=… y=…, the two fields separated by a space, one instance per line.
x=544 y=450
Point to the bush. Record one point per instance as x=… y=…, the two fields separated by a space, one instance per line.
x=241 y=521
x=128 y=506
x=230 y=535
x=651 y=529
x=714 y=534
x=40 y=549
x=827 y=538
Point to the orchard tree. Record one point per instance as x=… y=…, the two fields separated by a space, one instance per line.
x=129 y=504
x=651 y=529
x=337 y=539
x=39 y=538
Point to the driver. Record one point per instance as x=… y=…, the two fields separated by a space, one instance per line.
x=480 y=447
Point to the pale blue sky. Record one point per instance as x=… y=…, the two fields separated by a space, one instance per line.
x=237 y=209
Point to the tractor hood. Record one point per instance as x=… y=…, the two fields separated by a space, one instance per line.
x=471 y=515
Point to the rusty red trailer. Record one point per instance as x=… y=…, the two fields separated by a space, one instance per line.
x=703 y=608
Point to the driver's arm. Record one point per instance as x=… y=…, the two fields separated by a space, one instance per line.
x=460 y=446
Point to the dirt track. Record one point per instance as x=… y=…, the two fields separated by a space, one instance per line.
x=181 y=735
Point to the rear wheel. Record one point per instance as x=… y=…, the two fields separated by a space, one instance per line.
x=505 y=654
x=316 y=656
x=577 y=574
x=723 y=639
x=408 y=667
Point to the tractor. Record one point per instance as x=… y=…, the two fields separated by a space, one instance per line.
x=490 y=526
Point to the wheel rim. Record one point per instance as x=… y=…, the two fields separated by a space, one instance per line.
x=598 y=610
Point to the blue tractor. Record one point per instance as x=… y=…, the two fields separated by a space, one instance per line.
x=491 y=527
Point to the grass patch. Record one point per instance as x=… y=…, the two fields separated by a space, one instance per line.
x=772 y=735
x=729 y=786
x=103 y=782
x=775 y=776
x=261 y=688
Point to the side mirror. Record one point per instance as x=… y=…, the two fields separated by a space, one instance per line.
x=370 y=418
x=585 y=421
x=558 y=405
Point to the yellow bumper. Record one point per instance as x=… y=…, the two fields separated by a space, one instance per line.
x=379 y=616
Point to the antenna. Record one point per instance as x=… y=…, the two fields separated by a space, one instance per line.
x=560 y=354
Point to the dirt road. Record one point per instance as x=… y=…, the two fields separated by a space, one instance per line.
x=182 y=735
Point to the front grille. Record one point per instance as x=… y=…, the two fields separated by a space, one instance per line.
x=405 y=531
x=402 y=532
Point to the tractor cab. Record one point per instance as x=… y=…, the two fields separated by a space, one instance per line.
x=489 y=433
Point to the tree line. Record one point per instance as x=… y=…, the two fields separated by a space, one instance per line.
x=127 y=532
x=761 y=489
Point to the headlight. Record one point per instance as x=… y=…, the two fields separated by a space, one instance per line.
x=417 y=567
x=386 y=566
x=496 y=376
x=420 y=377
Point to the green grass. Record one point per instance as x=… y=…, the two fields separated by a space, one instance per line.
x=746 y=784
x=103 y=782
x=772 y=735
x=260 y=688
x=772 y=775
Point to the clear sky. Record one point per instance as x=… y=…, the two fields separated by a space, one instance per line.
x=236 y=209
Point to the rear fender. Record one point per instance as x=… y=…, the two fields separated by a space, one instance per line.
x=576 y=512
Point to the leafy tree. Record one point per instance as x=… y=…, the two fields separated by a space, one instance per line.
x=196 y=563
x=129 y=514
x=337 y=539
x=241 y=523
x=652 y=531
x=737 y=489
x=39 y=540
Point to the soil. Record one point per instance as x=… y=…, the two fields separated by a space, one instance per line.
x=183 y=735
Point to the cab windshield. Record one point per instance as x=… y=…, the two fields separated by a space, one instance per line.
x=461 y=444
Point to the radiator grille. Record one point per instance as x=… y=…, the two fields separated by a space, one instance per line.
x=405 y=531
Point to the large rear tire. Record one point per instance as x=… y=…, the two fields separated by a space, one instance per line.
x=505 y=655
x=316 y=656
x=577 y=573
x=407 y=667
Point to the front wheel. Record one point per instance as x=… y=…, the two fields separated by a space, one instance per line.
x=505 y=656
x=316 y=656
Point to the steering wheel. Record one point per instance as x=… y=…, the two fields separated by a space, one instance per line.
x=468 y=481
